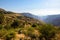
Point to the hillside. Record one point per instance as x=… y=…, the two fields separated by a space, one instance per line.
x=17 y=26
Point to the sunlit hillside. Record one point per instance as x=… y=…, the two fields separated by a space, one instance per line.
x=16 y=26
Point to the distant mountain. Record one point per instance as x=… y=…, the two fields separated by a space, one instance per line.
x=30 y=15
x=41 y=18
x=52 y=19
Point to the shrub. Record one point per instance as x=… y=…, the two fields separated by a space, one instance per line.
x=1 y=18
x=1 y=26
x=48 y=31
x=15 y=24
x=2 y=32
x=7 y=27
x=9 y=36
x=30 y=32
x=34 y=25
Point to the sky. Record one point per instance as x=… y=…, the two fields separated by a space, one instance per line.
x=36 y=7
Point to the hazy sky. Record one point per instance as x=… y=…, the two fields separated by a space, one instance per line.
x=37 y=7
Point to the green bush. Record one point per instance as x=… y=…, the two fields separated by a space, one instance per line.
x=7 y=27
x=15 y=24
x=1 y=18
x=48 y=31
x=9 y=36
x=30 y=32
x=1 y=26
x=2 y=32
x=34 y=25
